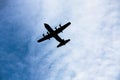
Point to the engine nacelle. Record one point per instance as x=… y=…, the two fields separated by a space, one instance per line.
x=48 y=33
x=56 y=28
x=43 y=35
x=60 y=25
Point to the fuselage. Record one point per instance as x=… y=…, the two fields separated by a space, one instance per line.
x=54 y=34
x=50 y=30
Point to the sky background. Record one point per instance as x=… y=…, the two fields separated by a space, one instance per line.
x=92 y=54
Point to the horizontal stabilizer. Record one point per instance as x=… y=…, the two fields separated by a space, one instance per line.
x=63 y=43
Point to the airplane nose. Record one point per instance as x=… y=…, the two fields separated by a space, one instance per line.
x=45 y=23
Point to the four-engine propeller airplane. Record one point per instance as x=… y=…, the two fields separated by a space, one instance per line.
x=54 y=33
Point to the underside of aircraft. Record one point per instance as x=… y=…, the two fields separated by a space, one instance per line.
x=54 y=33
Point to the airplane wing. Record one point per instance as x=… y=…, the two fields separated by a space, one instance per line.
x=62 y=28
x=48 y=36
x=45 y=38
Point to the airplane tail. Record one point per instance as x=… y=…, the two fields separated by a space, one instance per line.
x=63 y=43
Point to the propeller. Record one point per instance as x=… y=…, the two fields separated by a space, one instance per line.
x=43 y=35
x=60 y=25
x=56 y=28
x=48 y=33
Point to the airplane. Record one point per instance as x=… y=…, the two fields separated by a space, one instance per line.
x=54 y=33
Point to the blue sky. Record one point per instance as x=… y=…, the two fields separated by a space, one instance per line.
x=92 y=54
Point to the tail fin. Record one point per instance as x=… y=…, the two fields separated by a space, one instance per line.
x=63 y=43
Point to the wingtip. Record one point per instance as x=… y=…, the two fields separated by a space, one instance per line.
x=38 y=41
x=69 y=22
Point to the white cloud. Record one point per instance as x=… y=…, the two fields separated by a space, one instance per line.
x=92 y=54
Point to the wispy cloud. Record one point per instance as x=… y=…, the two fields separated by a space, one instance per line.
x=93 y=51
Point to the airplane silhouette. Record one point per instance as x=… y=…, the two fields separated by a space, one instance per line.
x=54 y=33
